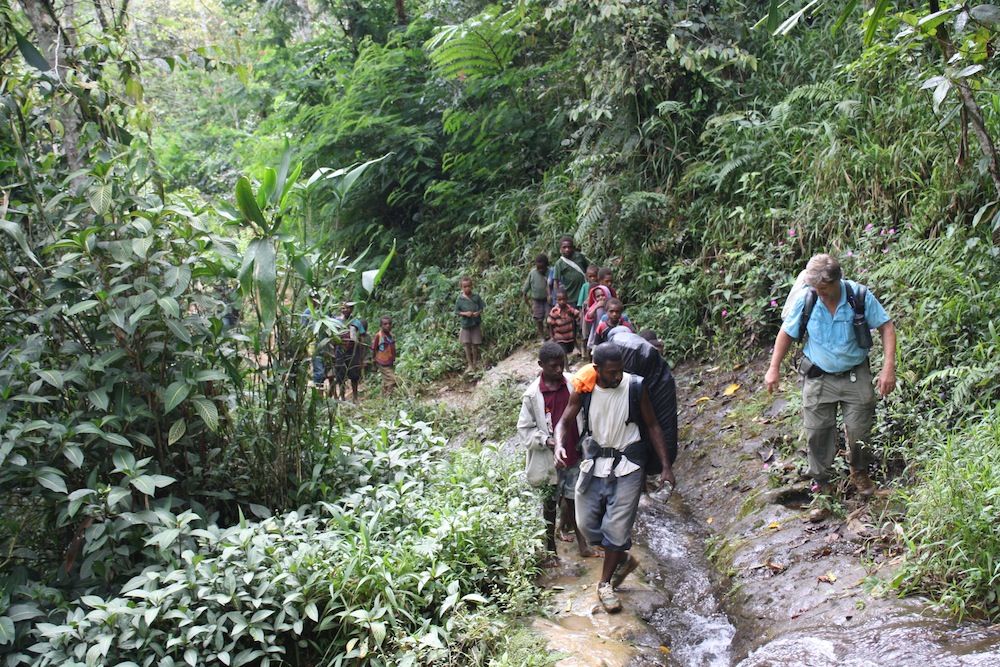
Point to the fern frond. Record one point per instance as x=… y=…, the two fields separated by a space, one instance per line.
x=480 y=47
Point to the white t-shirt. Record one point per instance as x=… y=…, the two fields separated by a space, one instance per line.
x=608 y=417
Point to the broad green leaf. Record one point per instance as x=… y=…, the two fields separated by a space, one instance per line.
x=74 y=455
x=54 y=378
x=117 y=439
x=164 y=538
x=145 y=485
x=986 y=14
x=208 y=412
x=209 y=375
x=177 y=430
x=874 y=19
x=31 y=55
x=78 y=308
x=169 y=305
x=773 y=17
x=51 y=479
x=845 y=14
x=282 y=175
x=178 y=330
x=174 y=394
x=140 y=246
x=140 y=313
x=24 y=611
x=267 y=187
x=6 y=631
x=100 y=198
x=98 y=398
x=265 y=274
x=15 y=231
x=116 y=495
x=248 y=204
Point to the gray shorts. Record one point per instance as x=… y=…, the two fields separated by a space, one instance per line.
x=606 y=511
x=566 y=486
x=539 y=309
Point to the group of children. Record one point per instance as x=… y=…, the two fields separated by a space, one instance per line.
x=573 y=302
x=350 y=354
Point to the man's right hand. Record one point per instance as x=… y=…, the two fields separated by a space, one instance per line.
x=559 y=455
x=772 y=380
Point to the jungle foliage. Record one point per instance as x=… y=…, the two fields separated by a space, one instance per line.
x=175 y=184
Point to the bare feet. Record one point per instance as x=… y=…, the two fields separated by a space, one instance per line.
x=551 y=562
x=566 y=537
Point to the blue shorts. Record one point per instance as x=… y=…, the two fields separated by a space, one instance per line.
x=606 y=511
x=566 y=486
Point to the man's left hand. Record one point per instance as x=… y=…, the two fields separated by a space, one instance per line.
x=666 y=476
x=886 y=382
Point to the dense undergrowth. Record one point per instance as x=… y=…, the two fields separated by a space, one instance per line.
x=155 y=351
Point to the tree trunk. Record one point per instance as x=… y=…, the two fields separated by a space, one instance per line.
x=55 y=38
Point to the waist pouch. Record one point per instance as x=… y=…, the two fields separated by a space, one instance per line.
x=808 y=369
x=637 y=453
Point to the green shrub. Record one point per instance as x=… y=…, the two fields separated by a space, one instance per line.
x=952 y=516
x=404 y=568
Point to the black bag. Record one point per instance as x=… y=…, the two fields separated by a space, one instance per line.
x=641 y=451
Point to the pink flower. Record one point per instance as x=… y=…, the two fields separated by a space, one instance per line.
x=869 y=227
x=850 y=253
x=892 y=231
x=885 y=250
x=725 y=313
x=774 y=304
x=881 y=233
x=791 y=231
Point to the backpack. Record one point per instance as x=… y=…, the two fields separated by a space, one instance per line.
x=652 y=463
x=855 y=300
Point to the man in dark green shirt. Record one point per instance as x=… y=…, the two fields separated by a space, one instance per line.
x=570 y=270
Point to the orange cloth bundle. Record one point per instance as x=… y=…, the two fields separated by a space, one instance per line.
x=585 y=379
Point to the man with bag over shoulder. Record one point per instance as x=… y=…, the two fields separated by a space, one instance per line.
x=838 y=315
x=613 y=458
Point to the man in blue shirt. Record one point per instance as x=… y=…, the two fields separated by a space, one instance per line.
x=841 y=375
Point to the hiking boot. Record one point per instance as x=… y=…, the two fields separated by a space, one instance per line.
x=862 y=483
x=610 y=601
x=624 y=569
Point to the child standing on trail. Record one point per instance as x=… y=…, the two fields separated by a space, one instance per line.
x=469 y=307
x=536 y=293
x=614 y=317
x=562 y=322
x=542 y=406
x=581 y=305
x=384 y=354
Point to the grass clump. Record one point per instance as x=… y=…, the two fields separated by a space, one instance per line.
x=951 y=526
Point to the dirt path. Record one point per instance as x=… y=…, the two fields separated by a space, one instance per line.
x=782 y=591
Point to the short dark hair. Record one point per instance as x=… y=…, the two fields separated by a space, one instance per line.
x=385 y=318
x=550 y=351
x=606 y=352
x=464 y=279
x=613 y=302
x=562 y=292
x=603 y=271
x=592 y=268
x=567 y=237
x=543 y=258
x=648 y=334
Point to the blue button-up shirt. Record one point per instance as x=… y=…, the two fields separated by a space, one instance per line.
x=831 y=344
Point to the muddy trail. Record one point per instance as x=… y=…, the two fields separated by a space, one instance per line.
x=731 y=571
